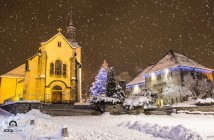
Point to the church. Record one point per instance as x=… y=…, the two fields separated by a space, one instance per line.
x=52 y=75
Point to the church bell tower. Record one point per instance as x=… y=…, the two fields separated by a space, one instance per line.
x=71 y=30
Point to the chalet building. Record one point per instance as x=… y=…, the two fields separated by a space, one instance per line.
x=52 y=75
x=168 y=73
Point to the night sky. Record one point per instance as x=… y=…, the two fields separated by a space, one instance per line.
x=129 y=34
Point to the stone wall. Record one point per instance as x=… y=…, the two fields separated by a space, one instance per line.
x=197 y=108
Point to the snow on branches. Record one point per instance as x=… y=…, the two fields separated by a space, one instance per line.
x=111 y=83
x=99 y=86
x=200 y=88
x=104 y=88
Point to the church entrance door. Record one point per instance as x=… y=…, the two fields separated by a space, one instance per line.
x=57 y=94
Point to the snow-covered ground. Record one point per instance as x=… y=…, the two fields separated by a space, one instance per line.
x=110 y=127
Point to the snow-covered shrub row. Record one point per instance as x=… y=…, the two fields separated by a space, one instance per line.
x=105 y=99
x=207 y=101
x=136 y=101
x=43 y=127
x=175 y=133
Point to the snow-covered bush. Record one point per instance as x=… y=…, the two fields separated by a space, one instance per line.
x=117 y=97
x=205 y=102
x=179 y=92
x=100 y=102
x=136 y=101
x=148 y=93
x=104 y=99
x=119 y=93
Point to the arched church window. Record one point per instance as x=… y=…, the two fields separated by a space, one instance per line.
x=51 y=68
x=58 y=67
x=64 y=70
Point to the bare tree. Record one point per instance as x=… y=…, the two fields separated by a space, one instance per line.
x=199 y=88
x=190 y=83
x=124 y=76
x=204 y=88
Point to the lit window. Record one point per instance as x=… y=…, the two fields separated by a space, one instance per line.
x=51 y=68
x=58 y=67
x=166 y=71
x=64 y=69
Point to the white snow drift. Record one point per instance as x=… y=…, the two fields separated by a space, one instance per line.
x=175 y=133
x=43 y=127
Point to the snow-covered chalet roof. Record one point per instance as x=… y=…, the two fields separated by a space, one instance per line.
x=173 y=59
x=139 y=79
x=17 y=72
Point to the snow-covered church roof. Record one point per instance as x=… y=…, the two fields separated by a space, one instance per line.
x=173 y=59
x=17 y=72
x=139 y=79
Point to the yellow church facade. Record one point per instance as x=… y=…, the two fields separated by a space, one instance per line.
x=52 y=75
x=11 y=84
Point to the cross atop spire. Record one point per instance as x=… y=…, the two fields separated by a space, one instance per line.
x=59 y=30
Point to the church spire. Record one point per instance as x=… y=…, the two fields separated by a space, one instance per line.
x=71 y=30
x=71 y=22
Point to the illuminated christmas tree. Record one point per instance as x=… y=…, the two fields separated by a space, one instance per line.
x=99 y=86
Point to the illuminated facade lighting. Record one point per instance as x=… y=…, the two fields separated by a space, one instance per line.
x=178 y=68
x=166 y=71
